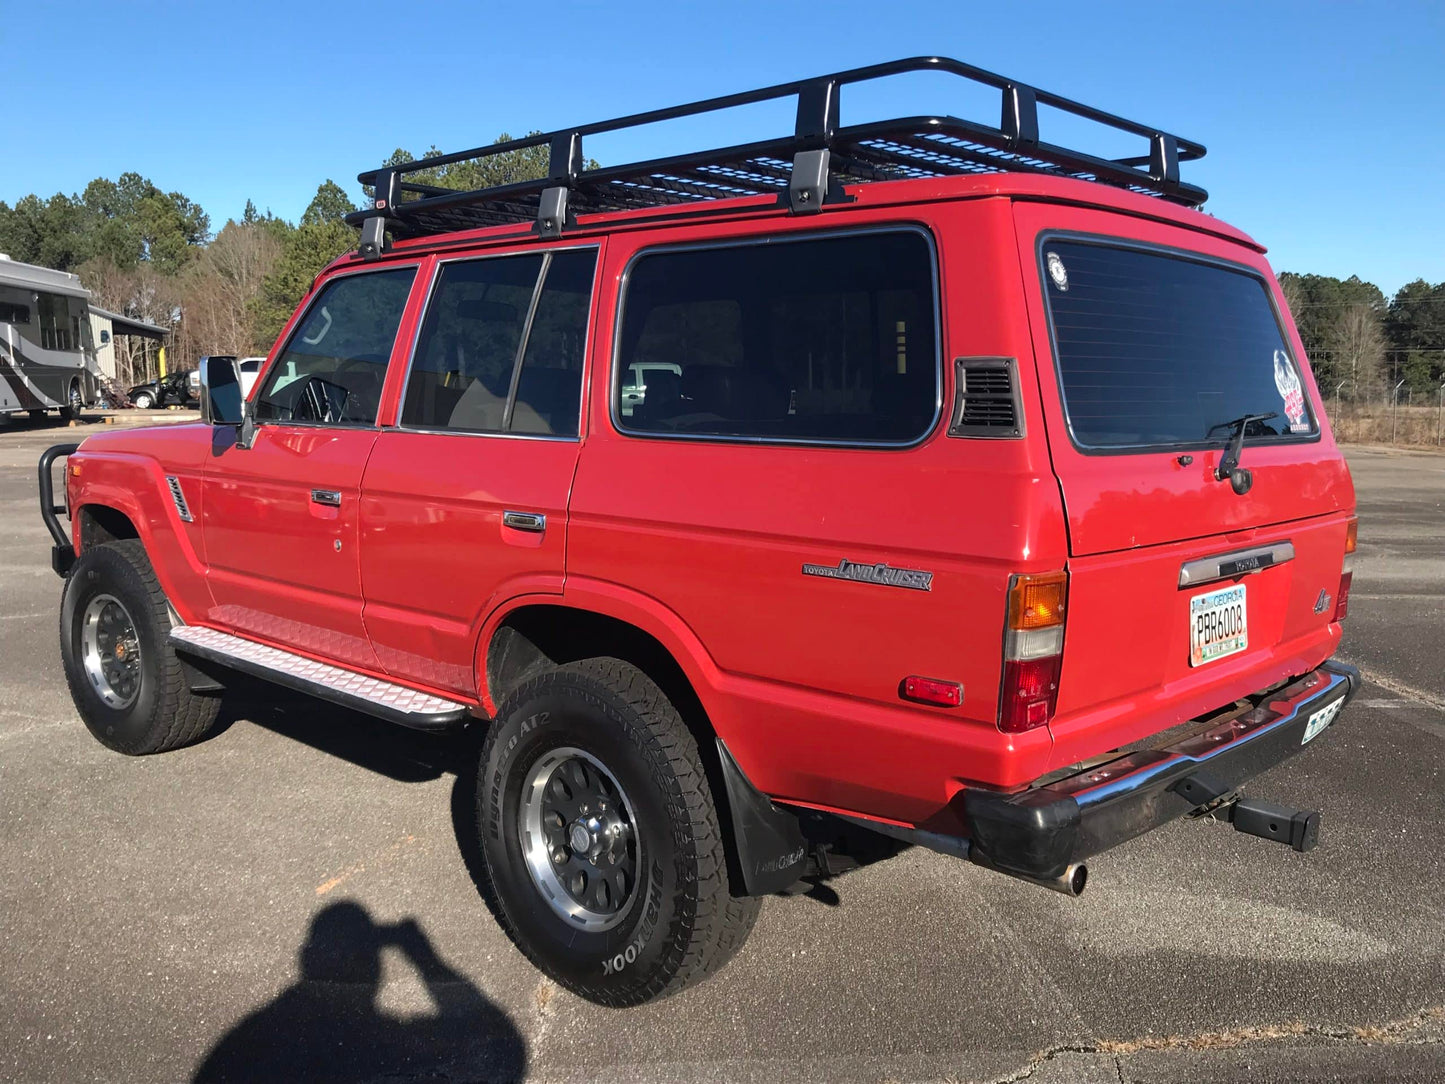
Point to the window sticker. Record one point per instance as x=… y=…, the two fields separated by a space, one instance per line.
x=1288 y=383
x=1058 y=273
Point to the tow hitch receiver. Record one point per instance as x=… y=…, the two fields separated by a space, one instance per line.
x=1299 y=828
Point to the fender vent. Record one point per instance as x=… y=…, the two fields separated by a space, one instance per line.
x=986 y=403
x=179 y=497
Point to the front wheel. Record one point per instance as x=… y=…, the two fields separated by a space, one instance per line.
x=601 y=837
x=127 y=683
x=144 y=401
x=74 y=402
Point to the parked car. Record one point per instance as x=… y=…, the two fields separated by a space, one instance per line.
x=172 y=389
x=990 y=505
x=249 y=369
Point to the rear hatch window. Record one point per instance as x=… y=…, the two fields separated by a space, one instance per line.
x=1157 y=350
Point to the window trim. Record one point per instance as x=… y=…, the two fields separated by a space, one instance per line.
x=765 y=240
x=299 y=318
x=1103 y=240
x=537 y=288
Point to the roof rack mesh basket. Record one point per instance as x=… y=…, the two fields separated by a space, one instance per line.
x=805 y=169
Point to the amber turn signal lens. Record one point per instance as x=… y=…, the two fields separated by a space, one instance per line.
x=1352 y=534
x=1037 y=601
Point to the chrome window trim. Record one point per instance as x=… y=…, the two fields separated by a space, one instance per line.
x=265 y=372
x=1103 y=240
x=521 y=346
x=1209 y=569
x=761 y=240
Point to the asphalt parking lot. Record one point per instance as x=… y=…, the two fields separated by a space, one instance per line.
x=289 y=898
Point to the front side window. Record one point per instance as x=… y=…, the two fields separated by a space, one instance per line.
x=1155 y=349
x=502 y=345
x=830 y=339
x=334 y=364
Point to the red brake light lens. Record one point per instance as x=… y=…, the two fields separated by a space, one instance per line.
x=1030 y=691
x=1342 y=600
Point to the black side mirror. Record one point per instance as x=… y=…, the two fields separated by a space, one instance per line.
x=221 y=401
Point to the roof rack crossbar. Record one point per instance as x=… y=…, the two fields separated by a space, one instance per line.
x=805 y=170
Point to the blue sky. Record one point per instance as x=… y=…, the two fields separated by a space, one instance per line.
x=1325 y=122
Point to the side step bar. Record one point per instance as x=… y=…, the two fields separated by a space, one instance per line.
x=383 y=699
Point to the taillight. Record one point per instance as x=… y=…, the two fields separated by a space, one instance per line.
x=1033 y=650
x=1347 y=569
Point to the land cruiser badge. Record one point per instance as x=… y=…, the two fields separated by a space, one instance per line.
x=882 y=574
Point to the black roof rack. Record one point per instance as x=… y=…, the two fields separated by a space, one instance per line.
x=806 y=168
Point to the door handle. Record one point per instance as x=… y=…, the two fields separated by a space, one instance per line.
x=524 y=521
x=330 y=497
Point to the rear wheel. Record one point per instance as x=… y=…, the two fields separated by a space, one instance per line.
x=125 y=679
x=601 y=837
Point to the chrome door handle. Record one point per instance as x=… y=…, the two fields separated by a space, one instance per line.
x=326 y=496
x=524 y=521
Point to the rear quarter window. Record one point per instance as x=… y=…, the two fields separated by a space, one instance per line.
x=829 y=339
x=1155 y=349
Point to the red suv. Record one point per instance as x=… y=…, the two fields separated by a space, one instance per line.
x=919 y=473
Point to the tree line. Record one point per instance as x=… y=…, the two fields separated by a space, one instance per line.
x=151 y=255
x=1361 y=344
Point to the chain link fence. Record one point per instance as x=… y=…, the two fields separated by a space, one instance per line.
x=1385 y=413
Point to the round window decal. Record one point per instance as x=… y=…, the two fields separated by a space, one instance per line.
x=1057 y=271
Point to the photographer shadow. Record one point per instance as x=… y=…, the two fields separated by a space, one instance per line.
x=328 y=1026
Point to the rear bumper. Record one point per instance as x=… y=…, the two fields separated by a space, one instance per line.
x=1039 y=832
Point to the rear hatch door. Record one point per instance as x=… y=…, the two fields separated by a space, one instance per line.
x=1152 y=342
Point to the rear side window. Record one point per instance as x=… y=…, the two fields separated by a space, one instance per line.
x=1161 y=350
x=830 y=340
x=502 y=345
x=11 y=313
x=334 y=364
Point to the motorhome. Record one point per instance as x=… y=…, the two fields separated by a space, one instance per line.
x=47 y=357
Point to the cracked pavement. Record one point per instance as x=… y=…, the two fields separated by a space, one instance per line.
x=289 y=898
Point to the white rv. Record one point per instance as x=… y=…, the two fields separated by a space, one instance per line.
x=47 y=358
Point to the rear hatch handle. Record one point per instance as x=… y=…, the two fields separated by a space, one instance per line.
x=1229 y=469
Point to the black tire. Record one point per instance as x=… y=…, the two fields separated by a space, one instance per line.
x=162 y=713
x=74 y=403
x=143 y=400
x=680 y=923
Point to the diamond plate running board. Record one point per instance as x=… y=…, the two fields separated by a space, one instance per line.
x=394 y=703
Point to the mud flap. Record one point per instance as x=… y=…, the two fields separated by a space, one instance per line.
x=771 y=850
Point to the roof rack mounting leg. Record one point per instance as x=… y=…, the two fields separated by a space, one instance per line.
x=1164 y=159
x=1020 y=122
x=808 y=186
x=373 y=231
x=553 y=215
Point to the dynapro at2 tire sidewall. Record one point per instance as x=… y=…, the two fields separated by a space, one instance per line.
x=636 y=959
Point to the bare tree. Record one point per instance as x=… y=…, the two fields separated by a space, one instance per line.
x=1357 y=342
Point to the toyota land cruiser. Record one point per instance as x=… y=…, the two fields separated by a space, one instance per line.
x=920 y=472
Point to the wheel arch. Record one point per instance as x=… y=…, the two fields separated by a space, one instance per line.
x=764 y=843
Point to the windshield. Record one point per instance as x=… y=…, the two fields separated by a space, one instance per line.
x=1157 y=349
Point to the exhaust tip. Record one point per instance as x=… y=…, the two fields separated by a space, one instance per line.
x=1075 y=878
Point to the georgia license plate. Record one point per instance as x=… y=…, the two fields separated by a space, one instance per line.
x=1217 y=625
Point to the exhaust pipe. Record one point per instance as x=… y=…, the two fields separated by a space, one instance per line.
x=1070 y=882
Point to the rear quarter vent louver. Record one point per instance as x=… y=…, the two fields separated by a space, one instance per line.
x=986 y=402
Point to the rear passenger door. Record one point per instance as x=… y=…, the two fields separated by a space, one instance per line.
x=464 y=503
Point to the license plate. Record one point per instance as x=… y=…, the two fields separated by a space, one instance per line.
x=1217 y=625
x=1321 y=719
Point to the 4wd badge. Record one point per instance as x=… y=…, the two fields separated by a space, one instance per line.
x=883 y=574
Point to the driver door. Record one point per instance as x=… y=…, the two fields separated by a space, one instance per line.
x=280 y=517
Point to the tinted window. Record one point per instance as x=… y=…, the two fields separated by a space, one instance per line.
x=472 y=370
x=59 y=329
x=830 y=339
x=334 y=364
x=549 y=387
x=1156 y=349
x=11 y=313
